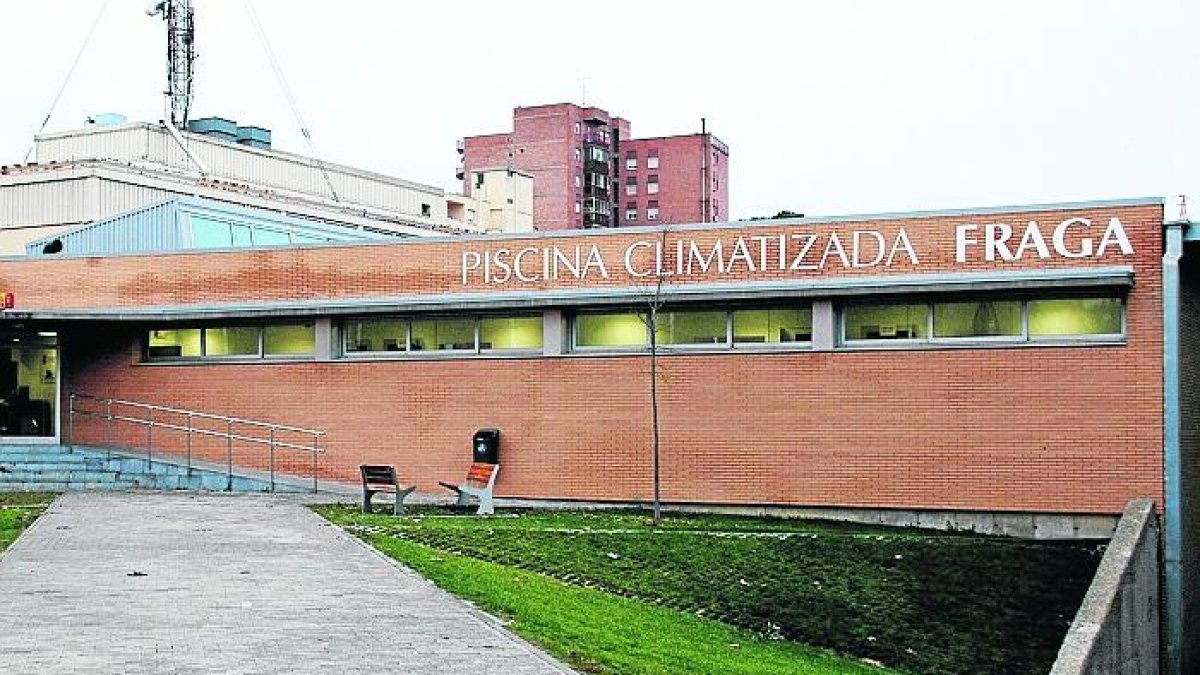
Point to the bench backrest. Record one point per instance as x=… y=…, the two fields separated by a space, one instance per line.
x=481 y=475
x=378 y=474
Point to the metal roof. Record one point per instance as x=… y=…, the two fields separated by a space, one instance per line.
x=187 y=223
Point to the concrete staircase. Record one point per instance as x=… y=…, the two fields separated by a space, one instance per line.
x=56 y=468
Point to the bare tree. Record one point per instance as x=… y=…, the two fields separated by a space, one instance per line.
x=654 y=301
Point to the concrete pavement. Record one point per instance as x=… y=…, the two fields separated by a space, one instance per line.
x=138 y=582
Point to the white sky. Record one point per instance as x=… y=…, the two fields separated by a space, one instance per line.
x=829 y=108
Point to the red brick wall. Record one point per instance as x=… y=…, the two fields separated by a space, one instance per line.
x=434 y=267
x=681 y=180
x=1073 y=429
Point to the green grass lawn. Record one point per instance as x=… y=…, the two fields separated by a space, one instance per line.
x=17 y=511
x=609 y=594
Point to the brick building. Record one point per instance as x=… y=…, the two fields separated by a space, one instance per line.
x=589 y=172
x=1013 y=369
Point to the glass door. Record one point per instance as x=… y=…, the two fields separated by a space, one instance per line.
x=29 y=392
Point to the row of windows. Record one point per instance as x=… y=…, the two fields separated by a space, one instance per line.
x=651 y=213
x=1002 y=320
x=631 y=162
x=860 y=324
x=1007 y=320
x=217 y=233
x=446 y=334
x=276 y=341
x=631 y=188
x=698 y=328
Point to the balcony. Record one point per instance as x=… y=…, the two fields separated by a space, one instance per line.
x=595 y=138
x=596 y=220
x=597 y=206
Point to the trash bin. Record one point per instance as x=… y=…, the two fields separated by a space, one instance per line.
x=487 y=446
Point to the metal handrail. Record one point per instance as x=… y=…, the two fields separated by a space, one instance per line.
x=194 y=413
x=190 y=430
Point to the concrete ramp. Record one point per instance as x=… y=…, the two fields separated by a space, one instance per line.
x=160 y=582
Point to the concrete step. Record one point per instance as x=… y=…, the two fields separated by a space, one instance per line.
x=58 y=476
x=56 y=468
x=45 y=456
x=61 y=487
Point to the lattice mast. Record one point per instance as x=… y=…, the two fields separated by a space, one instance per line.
x=181 y=55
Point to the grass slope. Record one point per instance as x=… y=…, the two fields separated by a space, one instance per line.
x=597 y=632
x=917 y=600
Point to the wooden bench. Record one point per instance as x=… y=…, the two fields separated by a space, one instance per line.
x=382 y=478
x=480 y=479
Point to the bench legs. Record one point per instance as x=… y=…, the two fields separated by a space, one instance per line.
x=486 y=506
x=397 y=509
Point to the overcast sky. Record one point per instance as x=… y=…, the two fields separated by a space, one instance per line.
x=828 y=107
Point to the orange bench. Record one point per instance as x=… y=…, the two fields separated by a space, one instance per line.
x=480 y=480
x=382 y=478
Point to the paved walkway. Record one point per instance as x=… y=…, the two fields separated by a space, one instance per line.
x=213 y=583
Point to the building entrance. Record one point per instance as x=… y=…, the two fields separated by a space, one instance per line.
x=29 y=392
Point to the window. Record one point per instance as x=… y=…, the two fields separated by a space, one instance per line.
x=520 y=332
x=578 y=180
x=631 y=161
x=652 y=162
x=578 y=207
x=693 y=327
x=239 y=341
x=241 y=235
x=1075 y=316
x=652 y=213
x=597 y=154
x=290 y=340
x=375 y=335
x=977 y=319
x=577 y=128
x=652 y=185
x=426 y=210
x=886 y=322
x=772 y=326
x=449 y=333
x=631 y=188
x=174 y=343
x=578 y=154
x=631 y=215
x=210 y=233
x=611 y=330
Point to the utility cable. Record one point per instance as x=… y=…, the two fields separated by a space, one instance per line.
x=74 y=65
x=287 y=93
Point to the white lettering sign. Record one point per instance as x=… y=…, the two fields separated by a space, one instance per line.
x=1072 y=238
x=775 y=254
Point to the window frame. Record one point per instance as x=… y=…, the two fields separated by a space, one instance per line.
x=408 y=352
x=1025 y=338
x=730 y=344
x=260 y=353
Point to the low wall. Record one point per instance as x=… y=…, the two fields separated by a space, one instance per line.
x=1116 y=628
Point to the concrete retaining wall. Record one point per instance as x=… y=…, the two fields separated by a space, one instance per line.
x=1116 y=628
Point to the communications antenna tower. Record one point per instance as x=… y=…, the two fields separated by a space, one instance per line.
x=181 y=54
